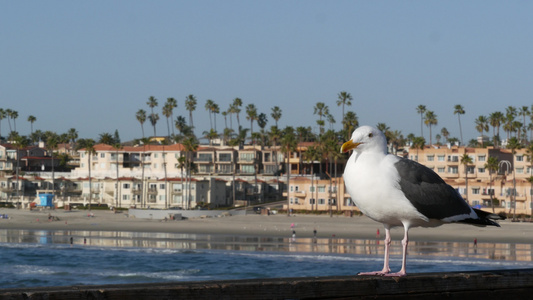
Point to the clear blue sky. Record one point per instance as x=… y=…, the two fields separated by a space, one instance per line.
x=92 y=64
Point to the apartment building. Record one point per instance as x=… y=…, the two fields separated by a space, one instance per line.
x=310 y=193
x=483 y=185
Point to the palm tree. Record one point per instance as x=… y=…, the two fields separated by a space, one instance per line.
x=418 y=142
x=514 y=144
x=225 y=115
x=421 y=109
x=492 y=166
x=88 y=146
x=144 y=141
x=350 y=123
x=20 y=142
x=191 y=145
x=141 y=117
x=190 y=105
x=321 y=110
x=31 y=119
x=251 y=115
x=262 y=122
x=152 y=102
x=444 y=132
x=215 y=110
x=495 y=120
x=2 y=116
x=106 y=138
x=466 y=160
x=430 y=120
x=153 y=120
x=51 y=145
x=210 y=135
x=459 y=110
x=172 y=103
x=509 y=126
x=14 y=115
x=8 y=113
x=209 y=107
x=331 y=121
x=344 y=98
x=288 y=145
x=482 y=125
x=236 y=108
x=117 y=146
x=524 y=112
x=276 y=114
x=167 y=112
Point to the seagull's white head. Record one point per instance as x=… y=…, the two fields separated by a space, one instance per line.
x=366 y=138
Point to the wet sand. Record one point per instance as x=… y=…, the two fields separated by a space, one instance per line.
x=358 y=227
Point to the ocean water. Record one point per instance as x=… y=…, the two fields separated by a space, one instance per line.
x=48 y=258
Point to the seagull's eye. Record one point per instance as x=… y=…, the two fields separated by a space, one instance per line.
x=370 y=135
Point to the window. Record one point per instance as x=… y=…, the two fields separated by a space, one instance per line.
x=312 y=189
x=205 y=157
x=481 y=158
x=481 y=170
x=441 y=169
x=312 y=201
x=431 y=157
x=321 y=201
x=248 y=169
x=224 y=157
x=102 y=155
x=470 y=169
x=125 y=185
x=322 y=189
x=519 y=158
x=441 y=158
x=348 y=202
x=155 y=155
x=177 y=187
x=453 y=158
x=292 y=188
x=475 y=191
x=453 y=170
x=247 y=156
x=125 y=197
x=519 y=170
x=161 y=186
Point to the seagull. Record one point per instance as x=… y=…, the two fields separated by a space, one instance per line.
x=397 y=191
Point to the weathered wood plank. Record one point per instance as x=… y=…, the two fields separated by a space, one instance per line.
x=511 y=284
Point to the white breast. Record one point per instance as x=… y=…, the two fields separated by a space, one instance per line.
x=372 y=182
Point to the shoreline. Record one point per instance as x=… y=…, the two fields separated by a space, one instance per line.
x=357 y=227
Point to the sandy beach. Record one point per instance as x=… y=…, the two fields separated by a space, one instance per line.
x=358 y=227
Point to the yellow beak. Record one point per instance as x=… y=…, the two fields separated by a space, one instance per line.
x=349 y=145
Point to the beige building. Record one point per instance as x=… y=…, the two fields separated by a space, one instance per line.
x=446 y=162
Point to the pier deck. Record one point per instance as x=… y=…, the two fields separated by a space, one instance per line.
x=501 y=284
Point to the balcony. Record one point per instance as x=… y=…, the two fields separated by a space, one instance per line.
x=152 y=191
x=203 y=160
x=300 y=194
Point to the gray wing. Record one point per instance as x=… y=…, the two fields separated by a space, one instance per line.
x=428 y=192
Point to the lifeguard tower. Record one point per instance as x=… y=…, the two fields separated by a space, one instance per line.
x=46 y=200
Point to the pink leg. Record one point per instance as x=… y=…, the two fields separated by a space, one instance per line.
x=405 y=242
x=386 y=268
